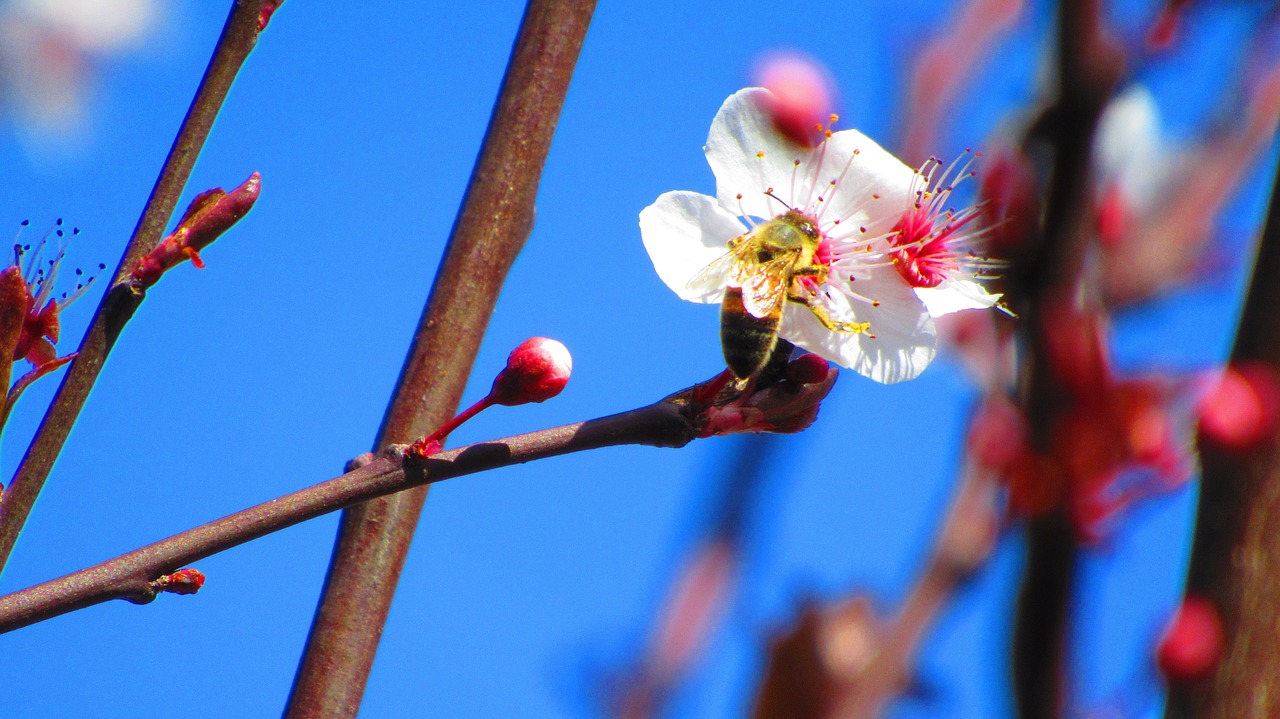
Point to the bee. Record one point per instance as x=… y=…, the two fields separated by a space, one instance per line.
x=764 y=269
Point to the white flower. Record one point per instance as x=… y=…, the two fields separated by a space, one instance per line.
x=850 y=190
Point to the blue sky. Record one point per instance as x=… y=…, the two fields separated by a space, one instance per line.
x=266 y=371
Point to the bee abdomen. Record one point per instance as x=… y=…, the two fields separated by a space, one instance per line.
x=747 y=340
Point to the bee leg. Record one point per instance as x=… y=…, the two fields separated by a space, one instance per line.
x=820 y=311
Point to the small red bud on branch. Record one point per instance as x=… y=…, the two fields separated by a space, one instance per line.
x=212 y=213
x=1192 y=645
x=268 y=9
x=536 y=371
x=1241 y=408
x=183 y=581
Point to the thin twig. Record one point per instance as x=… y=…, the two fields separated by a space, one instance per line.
x=1235 y=557
x=122 y=299
x=492 y=225
x=671 y=422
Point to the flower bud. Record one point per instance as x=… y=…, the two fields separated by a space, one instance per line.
x=1192 y=645
x=536 y=371
x=183 y=581
x=1242 y=407
x=802 y=96
x=212 y=213
x=268 y=9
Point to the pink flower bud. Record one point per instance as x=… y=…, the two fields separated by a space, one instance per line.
x=536 y=371
x=802 y=96
x=1192 y=645
x=1242 y=407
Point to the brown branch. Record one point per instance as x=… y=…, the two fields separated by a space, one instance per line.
x=122 y=299
x=1235 y=557
x=672 y=422
x=492 y=225
x=1088 y=70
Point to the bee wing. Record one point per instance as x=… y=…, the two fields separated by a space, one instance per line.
x=765 y=289
x=722 y=272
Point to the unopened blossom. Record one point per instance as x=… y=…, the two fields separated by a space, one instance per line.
x=848 y=191
x=1193 y=643
x=802 y=95
x=536 y=371
x=1240 y=408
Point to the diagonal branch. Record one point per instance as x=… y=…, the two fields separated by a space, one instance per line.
x=671 y=422
x=674 y=421
x=491 y=227
x=122 y=299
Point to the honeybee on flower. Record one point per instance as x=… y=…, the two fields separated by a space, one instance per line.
x=805 y=242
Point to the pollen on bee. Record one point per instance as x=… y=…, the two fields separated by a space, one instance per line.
x=760 y=155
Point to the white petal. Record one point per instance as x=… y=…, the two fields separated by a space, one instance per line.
x=685 y=232
x=955 y=295
x=1128 y=149
x=870 y=181
x=905 y=339
x=749 y=157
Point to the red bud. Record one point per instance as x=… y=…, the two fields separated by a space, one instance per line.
x=1192 y=645
x=536 y=371
x=1242 y=408
x=268 y=9
x=212 y=213
x=183 y=581
x=802 y=96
